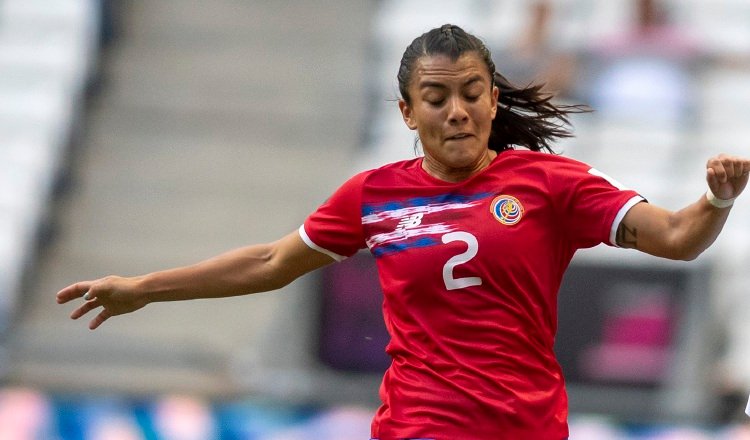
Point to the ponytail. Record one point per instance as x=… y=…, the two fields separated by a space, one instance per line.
x=527 y=117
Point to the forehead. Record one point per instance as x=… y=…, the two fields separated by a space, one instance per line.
x=441 y=68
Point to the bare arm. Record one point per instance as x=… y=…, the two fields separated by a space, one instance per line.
x=246 y=270
x=685 y=234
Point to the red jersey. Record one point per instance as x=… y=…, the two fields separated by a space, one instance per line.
x=470 y=273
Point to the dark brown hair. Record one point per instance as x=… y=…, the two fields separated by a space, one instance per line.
x=526 y=116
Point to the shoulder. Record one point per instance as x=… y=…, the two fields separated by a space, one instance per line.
x=386 y=175
x=535 y=163
x=539 y=159
x=391 y=173
x=395 y=167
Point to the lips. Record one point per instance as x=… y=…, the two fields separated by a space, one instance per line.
x=458 y=136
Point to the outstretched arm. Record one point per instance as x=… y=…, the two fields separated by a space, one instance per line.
x=250 y=269
x=685 y=234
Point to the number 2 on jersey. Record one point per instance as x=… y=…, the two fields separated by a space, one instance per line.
x=452 y=283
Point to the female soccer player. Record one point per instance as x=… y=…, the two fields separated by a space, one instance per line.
x=471 y=243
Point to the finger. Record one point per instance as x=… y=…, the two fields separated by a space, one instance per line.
x=734 y=166
x=73 y=291
x=717 y=165
x=712 y=180
x=99 y=319
x=84 y=309
x=737 y=170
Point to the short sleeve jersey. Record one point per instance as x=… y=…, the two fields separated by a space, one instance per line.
x=470 y=273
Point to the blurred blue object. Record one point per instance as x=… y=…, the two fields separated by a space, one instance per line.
x=247 y=420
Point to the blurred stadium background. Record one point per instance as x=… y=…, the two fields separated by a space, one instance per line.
x=141 y=135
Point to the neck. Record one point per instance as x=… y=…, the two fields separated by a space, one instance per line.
x=447 y=173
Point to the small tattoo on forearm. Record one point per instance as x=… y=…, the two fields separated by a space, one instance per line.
x=626 y=236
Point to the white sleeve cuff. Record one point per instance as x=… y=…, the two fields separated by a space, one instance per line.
x=621 y=215
x=309 y=242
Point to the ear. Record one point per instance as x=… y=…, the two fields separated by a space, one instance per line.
x=495 y=97
x=406 y=113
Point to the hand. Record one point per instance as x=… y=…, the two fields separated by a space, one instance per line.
x=727 y=175
x=116 y=296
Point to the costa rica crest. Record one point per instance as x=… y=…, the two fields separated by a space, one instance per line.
x=506 y=209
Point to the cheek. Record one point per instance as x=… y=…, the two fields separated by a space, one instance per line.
x=428 y=137
x=429 y=125
x=483 y=118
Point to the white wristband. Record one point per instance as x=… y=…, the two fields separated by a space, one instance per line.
x=717 y=202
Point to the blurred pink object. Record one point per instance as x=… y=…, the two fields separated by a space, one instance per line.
x=183 y=418
x=25 y=414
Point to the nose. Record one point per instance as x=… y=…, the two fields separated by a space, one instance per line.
x=457 y=113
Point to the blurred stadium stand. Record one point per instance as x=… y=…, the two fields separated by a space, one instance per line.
x=200 y=128
x=201 y=110
x=47 y=55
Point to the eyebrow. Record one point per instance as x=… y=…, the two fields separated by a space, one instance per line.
x=428 y=83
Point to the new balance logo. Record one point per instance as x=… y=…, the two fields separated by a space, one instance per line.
x=409 y=222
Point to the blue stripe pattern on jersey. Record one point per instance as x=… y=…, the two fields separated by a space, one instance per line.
x=394 y=248
x=442 y=199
